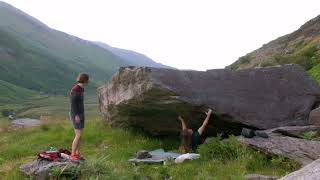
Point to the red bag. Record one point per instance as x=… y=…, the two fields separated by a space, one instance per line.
x=50 y=156
x=65 y=151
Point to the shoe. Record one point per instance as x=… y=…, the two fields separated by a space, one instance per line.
x=74 y=158
x=78 y=155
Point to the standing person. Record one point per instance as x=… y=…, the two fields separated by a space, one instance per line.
x=190 y=140
x=77 y=112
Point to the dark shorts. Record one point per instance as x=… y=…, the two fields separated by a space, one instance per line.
x=195 y=140
x=77 y=125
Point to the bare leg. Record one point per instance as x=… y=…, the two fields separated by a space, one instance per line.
x=76 y=141
x=205 y=123
x=183 y=123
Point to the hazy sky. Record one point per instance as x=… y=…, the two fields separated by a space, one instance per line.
x=187 y=34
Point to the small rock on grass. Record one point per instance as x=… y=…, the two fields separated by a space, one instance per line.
x=260 y=177
x=248 y=133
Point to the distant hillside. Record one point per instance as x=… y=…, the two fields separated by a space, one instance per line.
x=36 y=57
x=300 y=47
x=12 y=93
x=132 y=56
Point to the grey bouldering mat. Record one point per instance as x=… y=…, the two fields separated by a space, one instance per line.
x=158 y=156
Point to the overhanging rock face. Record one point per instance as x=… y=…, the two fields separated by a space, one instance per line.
x=264 y=98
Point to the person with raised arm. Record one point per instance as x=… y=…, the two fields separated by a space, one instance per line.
x=190 y=140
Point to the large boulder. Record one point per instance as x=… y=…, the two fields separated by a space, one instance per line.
x=309 y=172
x=314 y=117
x=263 y=98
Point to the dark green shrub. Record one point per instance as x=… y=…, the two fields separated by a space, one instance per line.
x=310 y=135
x=256 y=160
x=307 y=58
x=315 y=73
x=96 y=168
x=44 y=127
x=6 y=112
x=244 y=60
x=230 y=149
x=93 y=168
x=67 y=172
x=284 y=163
x=217 y=148
x=268 y=63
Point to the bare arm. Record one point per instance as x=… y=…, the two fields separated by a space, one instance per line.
x=208 y=114
x=183 y=123
x=205 y=122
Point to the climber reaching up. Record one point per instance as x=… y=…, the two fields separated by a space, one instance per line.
x=190 y=139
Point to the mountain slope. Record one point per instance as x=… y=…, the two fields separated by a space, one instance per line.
x=300 y=47
x=36 y=57
x=14 y=93
x=132 y=56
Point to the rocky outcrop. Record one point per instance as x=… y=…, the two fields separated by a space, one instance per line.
x=295 y=131
x=260 y=177
x=300 y=150
x=314 y=117
x=40 y=169
x=151 y=98
x=309 y=172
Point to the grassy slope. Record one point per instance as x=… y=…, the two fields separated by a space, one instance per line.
x=117 y=146
x=39 y=58
x=108 y=149
x=11 y=93
x=305 y=53
x=299 y=47
x=48 y=105
x=315 y=72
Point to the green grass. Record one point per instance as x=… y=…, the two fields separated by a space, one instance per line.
x=230 y=150
x=315 y=72
x=35 y=106
x=307 y=56
x=311 y=135
x=107 y=151
x=11 y=93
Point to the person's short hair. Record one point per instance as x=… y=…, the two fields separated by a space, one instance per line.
x=83 y=78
